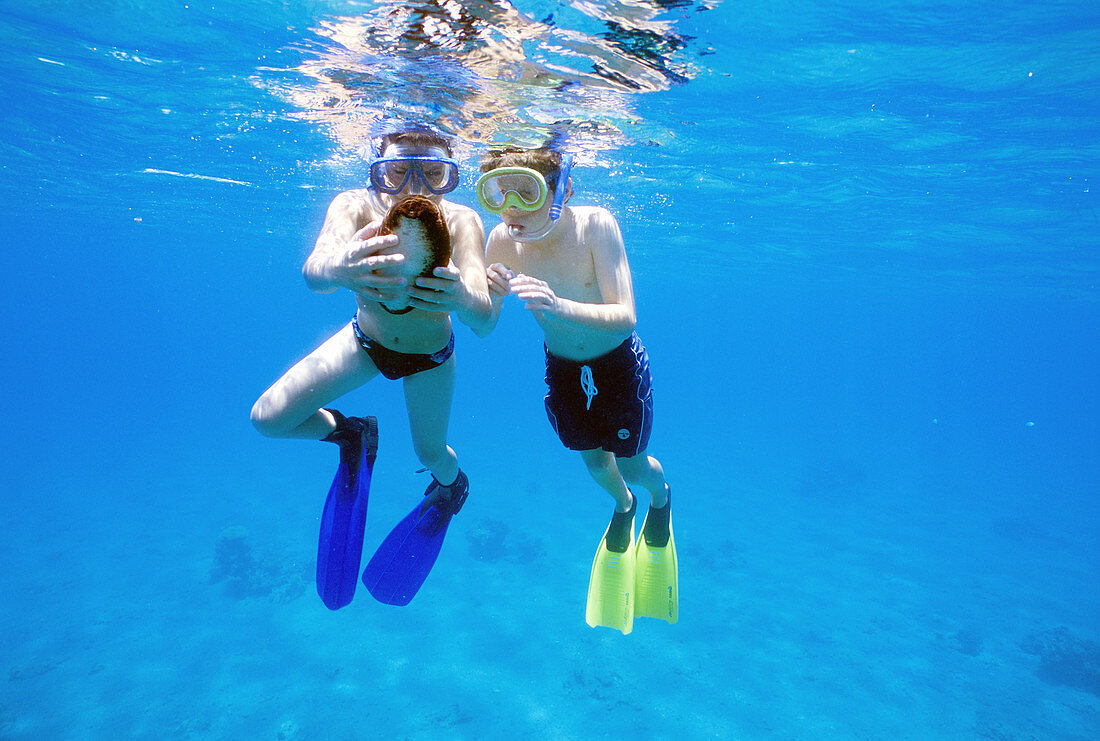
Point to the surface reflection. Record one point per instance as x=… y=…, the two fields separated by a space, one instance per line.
x=487 y=72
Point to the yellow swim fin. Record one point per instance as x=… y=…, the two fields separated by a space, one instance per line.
x=611 y=586
x=656 y=592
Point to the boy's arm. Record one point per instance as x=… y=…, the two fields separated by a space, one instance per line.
x=344 y=255
x=459 y=287
x=616 y=315
x=498 y=275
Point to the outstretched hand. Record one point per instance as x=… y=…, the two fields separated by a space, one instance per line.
x=537 y=295
x=362 y=269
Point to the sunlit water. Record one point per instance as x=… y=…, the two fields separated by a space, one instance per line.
x=864 y=245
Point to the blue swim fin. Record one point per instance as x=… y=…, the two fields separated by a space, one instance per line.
x=402 y=563
x=340 y=546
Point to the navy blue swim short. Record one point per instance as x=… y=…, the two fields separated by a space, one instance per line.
x=606 y=402
x=394 y=364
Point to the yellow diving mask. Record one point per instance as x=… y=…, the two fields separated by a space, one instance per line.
x=511 y=187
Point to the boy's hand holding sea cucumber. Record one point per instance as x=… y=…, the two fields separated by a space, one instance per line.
x=364 y=265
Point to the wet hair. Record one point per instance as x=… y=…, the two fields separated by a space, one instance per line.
x=419 y=208
x=543 y=160
x=416 y=138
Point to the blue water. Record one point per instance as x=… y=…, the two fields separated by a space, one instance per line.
x=864 y=239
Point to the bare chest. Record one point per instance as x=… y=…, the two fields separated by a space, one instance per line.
x=571 y=274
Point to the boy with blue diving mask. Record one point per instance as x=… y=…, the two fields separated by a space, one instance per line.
x=568 y=266
x=430 y=172
x=402 y=329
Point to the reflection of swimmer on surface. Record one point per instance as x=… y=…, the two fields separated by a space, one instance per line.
x=482 y=68
x=414 y=342
x=569 y=267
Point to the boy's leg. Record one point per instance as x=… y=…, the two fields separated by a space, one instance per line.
x=428 y=397
x=292 y=406
x=644 y=470
x=602 y=467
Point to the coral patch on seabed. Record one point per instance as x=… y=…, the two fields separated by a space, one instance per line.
x=246 y=575
x=493 y=541
x=1065 y=658
x=289 y=730
x=966 y=642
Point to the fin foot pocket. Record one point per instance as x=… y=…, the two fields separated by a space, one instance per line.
x=620 y=533
x=447 y=499
x=657 y=527
x=357 y=438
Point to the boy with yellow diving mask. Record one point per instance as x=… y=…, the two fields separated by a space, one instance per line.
x=521 y=191
x=568 y=265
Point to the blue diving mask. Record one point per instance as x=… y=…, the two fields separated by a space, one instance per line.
x=434 y=174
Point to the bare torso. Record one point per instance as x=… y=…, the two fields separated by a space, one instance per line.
x=567 y=260
x=417 y=331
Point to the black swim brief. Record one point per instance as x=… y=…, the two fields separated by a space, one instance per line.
x=606 y=402
x=394 y=364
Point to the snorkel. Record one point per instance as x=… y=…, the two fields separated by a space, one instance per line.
x=519 y=234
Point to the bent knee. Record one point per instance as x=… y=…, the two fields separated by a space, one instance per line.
x=603 y=465
x=267 y=421
x=633 y=462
